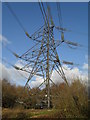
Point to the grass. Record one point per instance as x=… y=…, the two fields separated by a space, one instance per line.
x=26 y=113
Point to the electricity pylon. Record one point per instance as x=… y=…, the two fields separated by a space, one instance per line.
x=42 y=59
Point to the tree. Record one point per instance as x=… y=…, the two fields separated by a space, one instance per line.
x=8 y=94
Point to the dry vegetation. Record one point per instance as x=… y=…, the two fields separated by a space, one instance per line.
x=67 y=102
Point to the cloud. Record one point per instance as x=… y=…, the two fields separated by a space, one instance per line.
x=4 y=74
x=38 y=80
x=71 y=75
x=15 y=76
x=76 y=73
x=4 y=40
x=12 y=75
x=85 y=66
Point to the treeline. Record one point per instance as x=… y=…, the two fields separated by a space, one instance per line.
x=16 y=96
x=69 y=101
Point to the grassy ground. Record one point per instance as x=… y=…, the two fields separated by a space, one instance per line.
x=27 y=113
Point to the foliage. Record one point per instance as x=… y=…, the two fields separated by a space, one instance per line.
x=67 y=102
x=71 y=101
x=8 y=95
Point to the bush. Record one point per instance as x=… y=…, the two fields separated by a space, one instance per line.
x=71 y=101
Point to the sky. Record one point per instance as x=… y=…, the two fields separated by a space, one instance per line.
x=74 y=16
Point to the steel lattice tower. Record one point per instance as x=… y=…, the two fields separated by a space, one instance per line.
x=42 y=59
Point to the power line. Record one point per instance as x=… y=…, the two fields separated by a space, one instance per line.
x=15 y=16
x=59 y=14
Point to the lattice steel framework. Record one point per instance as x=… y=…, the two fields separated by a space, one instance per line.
x=42 y=59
